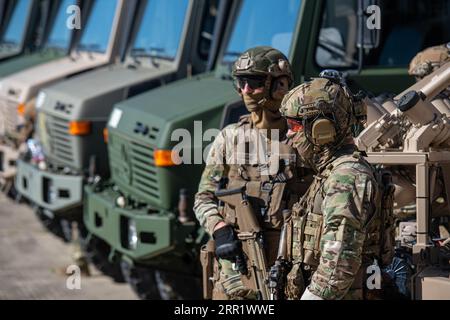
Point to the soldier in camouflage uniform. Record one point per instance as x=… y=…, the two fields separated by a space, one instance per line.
x=337 y=228
x=262 y=77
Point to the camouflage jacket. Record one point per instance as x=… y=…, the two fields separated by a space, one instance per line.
x=338 y=208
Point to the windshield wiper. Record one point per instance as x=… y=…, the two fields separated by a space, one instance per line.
x=8 y=44
x=89 y=48
x=232 y=54
x=152 y=53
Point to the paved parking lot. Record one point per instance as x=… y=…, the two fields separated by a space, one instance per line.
x=33 y=262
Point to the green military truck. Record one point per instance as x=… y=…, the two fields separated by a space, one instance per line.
x=152 y=58
x=143 y=212
x=100 y=43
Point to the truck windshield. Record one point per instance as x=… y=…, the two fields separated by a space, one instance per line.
x=97 y=32
x=406 y=27
x=160 y=29
x=270 y=23
x=60 y=35
x=15 y=31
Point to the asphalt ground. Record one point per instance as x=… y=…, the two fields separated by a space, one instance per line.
x=33 y=263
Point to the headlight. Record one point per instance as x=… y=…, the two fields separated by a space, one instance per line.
x=40 y=100
x=132 y=235
x=51 y=192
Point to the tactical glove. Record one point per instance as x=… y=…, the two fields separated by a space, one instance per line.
x=227 y=246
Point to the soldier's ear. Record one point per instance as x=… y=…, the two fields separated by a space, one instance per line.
x=280 y=87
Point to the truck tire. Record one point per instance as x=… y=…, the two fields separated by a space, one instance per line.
x=152 y=284
x=58 y=227
x=97 y=253
x=142 y=281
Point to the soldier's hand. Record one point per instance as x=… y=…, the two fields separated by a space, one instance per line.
x=227 y=245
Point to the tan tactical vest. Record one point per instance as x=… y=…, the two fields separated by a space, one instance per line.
x=269 y=195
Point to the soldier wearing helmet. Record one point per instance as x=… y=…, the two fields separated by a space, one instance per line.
x=429 y=60
x=262 y=76
x=336 y=225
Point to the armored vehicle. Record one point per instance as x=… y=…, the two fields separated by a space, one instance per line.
x=171 y=39
x=144 y=211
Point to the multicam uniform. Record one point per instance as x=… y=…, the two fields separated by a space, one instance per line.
x=337 y=229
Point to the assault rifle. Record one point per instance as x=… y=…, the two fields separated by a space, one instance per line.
x=253 y=267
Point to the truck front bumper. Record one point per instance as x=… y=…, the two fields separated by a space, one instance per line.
x=138 y=234
x=57 y=193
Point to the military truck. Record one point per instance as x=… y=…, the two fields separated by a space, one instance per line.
x=99 y=45
x=152 y=58
x=143 y=212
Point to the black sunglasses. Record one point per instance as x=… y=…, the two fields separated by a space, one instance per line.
x=253 y=82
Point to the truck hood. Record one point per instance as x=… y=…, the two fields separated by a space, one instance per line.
x=22 y=86
x=184 y=97
x=27 y=61
x=177 y=105
x=84 y=90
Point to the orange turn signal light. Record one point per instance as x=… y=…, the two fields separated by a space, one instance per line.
x=164 y=158
x=105 y=135
x=21 y=109
x=79 y=128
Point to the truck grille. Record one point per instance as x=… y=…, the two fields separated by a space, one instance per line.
x=59 y=144
x=8 y=116
x=132 y=166
x=143 y=169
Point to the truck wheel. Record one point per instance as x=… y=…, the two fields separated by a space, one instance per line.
x=151 y=284
x=56 y=226
x=97 y=253
x=142 y=281
x=173 y=286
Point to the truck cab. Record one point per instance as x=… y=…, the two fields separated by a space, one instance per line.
x=98 y=45
x=151 y=59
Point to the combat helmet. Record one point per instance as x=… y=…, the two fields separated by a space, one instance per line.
x=324 y=109
x=263 y=62
x=429 y=60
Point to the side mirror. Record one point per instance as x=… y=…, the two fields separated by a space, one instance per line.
x=369 y=24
